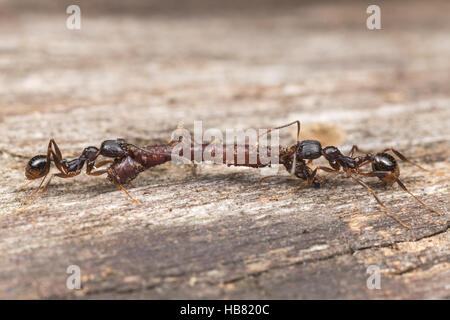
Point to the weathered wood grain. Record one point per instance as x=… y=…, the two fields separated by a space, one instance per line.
x=221 y=234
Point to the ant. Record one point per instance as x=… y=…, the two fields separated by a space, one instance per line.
x=384 y=166
x=39 y=166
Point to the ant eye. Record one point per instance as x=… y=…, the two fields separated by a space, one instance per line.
x=36 y=167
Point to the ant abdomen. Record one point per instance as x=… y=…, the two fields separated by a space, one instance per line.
x=384 y=162
x=36 y=167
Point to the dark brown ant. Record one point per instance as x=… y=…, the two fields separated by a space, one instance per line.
x=384 y=166
x=39 y=166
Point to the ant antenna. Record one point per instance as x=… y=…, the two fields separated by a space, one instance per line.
x=298 y=140
x=284 y=126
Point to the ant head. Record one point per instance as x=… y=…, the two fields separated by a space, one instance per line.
x=37 y=167
x=113 y=148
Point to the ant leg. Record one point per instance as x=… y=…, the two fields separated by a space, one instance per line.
x=328 y=169
x=52 y=144
x=119 y=186
x=353 y=149
x=26 y=184
x=60 y=175
x=356 y=148
x=389 y=212
x=403 y=158
x=91 y=167
x=33 y=199
x=57 y=156
x=311 y=179
x=57 y=151
x=103 y=163
x=100 y=172
x=418 y=200
x=389 y=173
x=307 y=182
x=362 y=164
x=35 y=191
x=265 y=178
x=304 y=184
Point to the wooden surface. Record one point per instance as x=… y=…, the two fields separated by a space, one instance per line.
x=220 y=234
